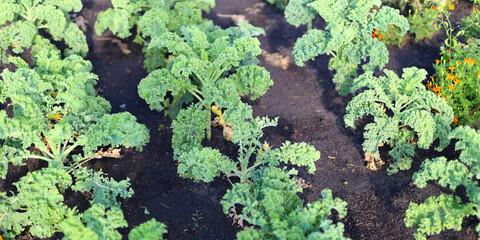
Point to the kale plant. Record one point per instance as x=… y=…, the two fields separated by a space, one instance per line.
x=403 y=110
x=211 y=65
x=462 y=172
x=54 y=115
x=152 y=18
x=21 y=21
x=349 y=37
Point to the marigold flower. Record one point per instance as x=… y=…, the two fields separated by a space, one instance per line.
x=429 y=84
x=379 y=36
x=478 y=74
x=450 y=76
x=436 y=88
x=472 y=61
x=456 y=80
x=455 y=120
x=433 y=7
x=451 y=7
x=458 y=63
x=450 y=51
x=439 y=93
x=474 y=9
x=437 y=61
x=451 y=86
x=445 y=98
x=452 y=68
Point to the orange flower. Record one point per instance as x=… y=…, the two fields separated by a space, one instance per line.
x=450 y=51
x=451 y=86
x=375 y=31
x=438 y=93
x=429 y=84
x=456 y=80
x=478 y=74
x=379 y=36
x=458 y=63
x=472 y=61
x=450 y=76
x=451 y=7
x=444 y=98
x=436 y=88
x=437 y=61
x=452 y=68
x=433 y=7
x=455 y=120
x=474 y=9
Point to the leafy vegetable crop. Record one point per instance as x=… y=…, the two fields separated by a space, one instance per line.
x=23 y=19
x=350 y=36
x=402 y=110
x=211 y=65
x=448 y=211
x=152 y=18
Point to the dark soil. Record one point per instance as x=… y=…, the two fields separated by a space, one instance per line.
x=309 y=110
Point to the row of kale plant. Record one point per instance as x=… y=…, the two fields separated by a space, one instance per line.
x=50 y=113
x=406 y=113
x=196 y=69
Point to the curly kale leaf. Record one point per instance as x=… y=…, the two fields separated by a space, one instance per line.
x=410 y=105
x=104 y=190
x=188 y=129
x=271 y=204
x=148 y=230
x=98 y=222
x=204 y=164
x=38 y=203
x=348 y=37
x=469 y=144
x=120 y=129
x=437 y=214
x=298 y=12
x=55 y=109
x=27 y=17
x=300 y=154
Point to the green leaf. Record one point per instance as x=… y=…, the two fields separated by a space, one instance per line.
x=148 y=230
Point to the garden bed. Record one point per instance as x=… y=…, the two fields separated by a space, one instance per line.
x=309 y=110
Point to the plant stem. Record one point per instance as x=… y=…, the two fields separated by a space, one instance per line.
x=208 y=120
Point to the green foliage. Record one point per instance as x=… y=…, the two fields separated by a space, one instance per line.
x=23 y=20
x=348 y=36
x=38 y=204
x=211 y=64
x=457 y=79
x=151 y=19
x=57 y=117
x=55 y=109
x=464 y=171
x=402 y=109
x=104 y=190
x=437 y=214
x=148 y=230
x=271 y=204
x=471 y=24
x=96 y=222
x=298 y=12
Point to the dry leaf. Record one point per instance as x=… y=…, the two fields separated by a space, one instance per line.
x=111 y=153
x=301 y=182
x=235 y=18
x=277 y=60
